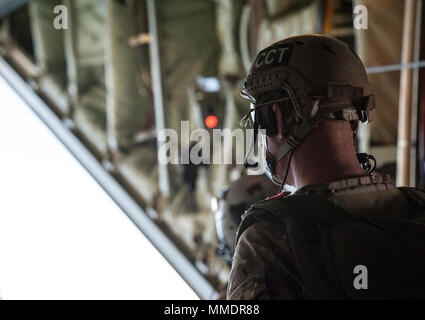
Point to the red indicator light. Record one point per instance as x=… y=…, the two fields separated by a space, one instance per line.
x=211 y=121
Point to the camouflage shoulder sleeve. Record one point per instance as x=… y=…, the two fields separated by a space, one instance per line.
x=263 y=265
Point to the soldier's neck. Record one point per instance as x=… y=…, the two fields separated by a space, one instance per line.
x=327 y=154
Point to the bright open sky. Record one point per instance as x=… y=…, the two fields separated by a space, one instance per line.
x=61 y=236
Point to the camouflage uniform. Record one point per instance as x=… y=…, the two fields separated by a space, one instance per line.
x=264 y=266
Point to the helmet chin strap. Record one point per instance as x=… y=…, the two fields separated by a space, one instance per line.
x=302 y=130
x=271 y=166
x=287 y=171
x=297 y=137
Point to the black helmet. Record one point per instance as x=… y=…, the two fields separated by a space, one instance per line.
x=317 y=77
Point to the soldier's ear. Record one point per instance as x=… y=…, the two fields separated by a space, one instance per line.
x=280 y=125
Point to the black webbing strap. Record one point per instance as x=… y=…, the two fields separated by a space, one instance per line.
x=305 y=219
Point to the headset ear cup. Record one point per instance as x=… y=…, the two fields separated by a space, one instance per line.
x=272 y=131
x=271 y=125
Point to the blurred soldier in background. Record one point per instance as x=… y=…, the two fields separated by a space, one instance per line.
x=233 y=202
x=345 y=233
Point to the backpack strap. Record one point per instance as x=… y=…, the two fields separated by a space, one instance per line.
x=304 y=218
x=320 y=234
x=415 y=196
